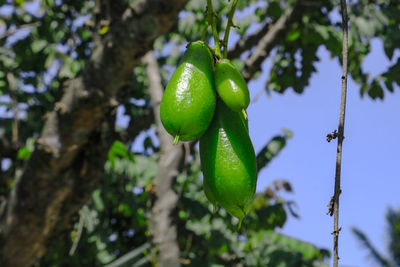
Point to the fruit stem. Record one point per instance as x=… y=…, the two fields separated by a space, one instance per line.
x=210 y=11
x=214 y=208
x=228 y=27
x=176 y=139
x=244 y=114
x=240 y=223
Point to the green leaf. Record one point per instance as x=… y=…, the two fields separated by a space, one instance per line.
x=49 y=59
x=366 y=27
x=271 y=149
x=103 y=30
x=97 y=200
x=24 y=153
x=118 y=150
x=125 y=209
x=366 y=243
x=38 y=45
x=105 y=257
x=293 y=35
x=19 y=2
x=288 y=133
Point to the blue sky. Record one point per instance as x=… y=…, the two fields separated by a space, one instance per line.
x=370 y=168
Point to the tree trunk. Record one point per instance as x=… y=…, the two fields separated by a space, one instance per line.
x=170 y=164
x=69 y=155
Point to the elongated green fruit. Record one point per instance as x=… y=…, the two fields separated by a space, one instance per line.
x=228 y=161
x=231 y=86
x=244 y=119
x=209 y=195
x=188 y=103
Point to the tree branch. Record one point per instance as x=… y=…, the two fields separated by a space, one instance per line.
x=170 y=164
x=14 y=102
x=11 y=31
x=248 y=42
x=68 y=160
x=342 y=114
x=273 y=35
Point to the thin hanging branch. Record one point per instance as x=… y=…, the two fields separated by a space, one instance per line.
x=340 y=135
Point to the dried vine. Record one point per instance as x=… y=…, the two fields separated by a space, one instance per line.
x=334 y=204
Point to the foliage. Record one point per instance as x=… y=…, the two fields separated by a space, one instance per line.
x=115 y=222
x=44 y=44
x=296 y=57
x=393 y=260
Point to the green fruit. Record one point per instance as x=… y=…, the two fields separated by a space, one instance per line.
x=209 y=195
x=245 y=121
x=231 y=86
x=188 y=103
x=228 y=161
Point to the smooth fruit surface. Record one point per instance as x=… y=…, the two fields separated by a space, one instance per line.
x=209 y=195
x=228 y=161
x=231 y=86
x=188 y=103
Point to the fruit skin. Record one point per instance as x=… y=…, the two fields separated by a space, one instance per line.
x=231 y=86
x=209 y=195
x=228 y=161
x=188 y=103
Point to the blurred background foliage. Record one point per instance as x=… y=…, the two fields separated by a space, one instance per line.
x=46 y=43
x=392 y=257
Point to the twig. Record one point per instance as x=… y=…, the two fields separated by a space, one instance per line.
x=79 y=234
x=337 y=192
x=228 y=27
x=21 y=27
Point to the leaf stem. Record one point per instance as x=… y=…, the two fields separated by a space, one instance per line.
x=228 y=27
x=210 y=10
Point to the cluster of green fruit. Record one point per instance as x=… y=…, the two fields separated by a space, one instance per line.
x=191 y=109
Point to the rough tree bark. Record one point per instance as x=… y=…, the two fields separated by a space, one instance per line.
x=70 y=153
x=170 y=164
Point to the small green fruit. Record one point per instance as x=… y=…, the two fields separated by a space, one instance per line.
x=231 y=86
x=188 y=103
x=228 y=161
